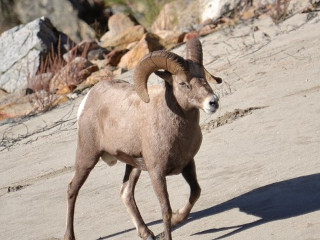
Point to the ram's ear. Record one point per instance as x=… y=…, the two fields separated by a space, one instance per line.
x=165 y=75
x=211 y=78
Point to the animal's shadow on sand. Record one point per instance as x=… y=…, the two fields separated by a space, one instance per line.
x=281 y=200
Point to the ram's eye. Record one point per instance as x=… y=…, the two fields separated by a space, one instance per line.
x=185 y=84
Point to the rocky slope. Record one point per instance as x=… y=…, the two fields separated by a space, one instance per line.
x=43 y=63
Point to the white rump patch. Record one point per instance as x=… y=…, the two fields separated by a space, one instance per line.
x=81 y=106
x=110 y=160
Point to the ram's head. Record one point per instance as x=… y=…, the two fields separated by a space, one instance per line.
x=188 y=77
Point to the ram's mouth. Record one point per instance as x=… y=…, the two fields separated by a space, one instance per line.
x=210 y=110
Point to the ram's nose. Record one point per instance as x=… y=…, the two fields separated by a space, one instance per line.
x=211 y=104
x=214 y=104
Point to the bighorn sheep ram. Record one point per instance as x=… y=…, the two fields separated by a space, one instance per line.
x=155 y=129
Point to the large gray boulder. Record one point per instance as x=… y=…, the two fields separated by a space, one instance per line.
x=22 y=48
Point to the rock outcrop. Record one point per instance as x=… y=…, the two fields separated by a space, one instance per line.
x=150 y=42
x=22 y=48
x=61 y=13
x=123 y=30
x=117 y=24
x=71 y=75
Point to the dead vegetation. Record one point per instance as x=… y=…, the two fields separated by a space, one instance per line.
x=16 y=188
x=9 y=139
x=279 y=11
x=52 y=65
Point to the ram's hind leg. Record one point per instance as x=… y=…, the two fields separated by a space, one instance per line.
x=189 y=173
x=86 y=159
x=127 y=194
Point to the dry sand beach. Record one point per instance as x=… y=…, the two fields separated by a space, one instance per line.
x=258 y=166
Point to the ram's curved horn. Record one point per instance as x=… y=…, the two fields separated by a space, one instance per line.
x=194 y=51
x=154 y=61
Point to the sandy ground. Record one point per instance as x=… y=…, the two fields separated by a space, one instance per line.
x=259 y=171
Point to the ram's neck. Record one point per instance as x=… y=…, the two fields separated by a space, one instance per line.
x=172 y=104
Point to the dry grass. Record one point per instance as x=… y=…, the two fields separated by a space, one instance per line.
x=280 y=10
x=50 y=66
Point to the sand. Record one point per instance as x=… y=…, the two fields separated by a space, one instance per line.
x=258 y=166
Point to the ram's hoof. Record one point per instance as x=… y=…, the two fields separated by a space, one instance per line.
x=160 y=236
x=150 y=238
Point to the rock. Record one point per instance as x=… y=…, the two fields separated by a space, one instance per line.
x=62 y=14
x=86 y=72
x=190 y=35
x=8 y=18
x=3 y=93
x=298 y=5
x=83 y=49
x=166 y=34
x=167 y=18
x=150 y=42
x=93 y=79
x=10 y=98
x=59 y=100
x=117 y=24
x=23 y=47
x=178 y=16
x=20 y=104
x=119 y=71
x=120 y=41
x=4 y=116
x=114 y=57
x=81 y=87
x=213 y=9
x=71 y=75
x=65 y=89
x=207 y=29
x=211 y=27
x=132 y=45
x=97 y=54
x=98 y=76
x=171 y=38
x=17 y=109
x=100 y=63
x=248 y=14
x=15 y=105
x=72 y=96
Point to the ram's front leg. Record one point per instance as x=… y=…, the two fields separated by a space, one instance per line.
x=189 y=174
x=127 y=194
x=159 y=183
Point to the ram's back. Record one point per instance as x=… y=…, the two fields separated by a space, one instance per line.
x=116 y=116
